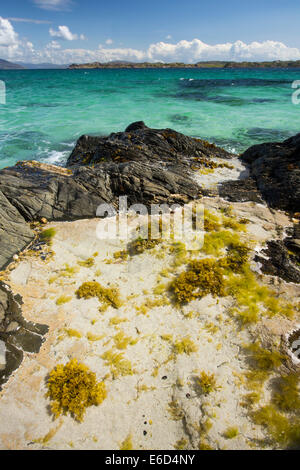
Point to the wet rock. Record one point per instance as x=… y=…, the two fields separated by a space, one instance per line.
x=15 y=235
x=293 y=244
x=278 y=262
x=141 y=144
x=17 y=334
x=150 y=166
x=240 y=191
x=34 y=191
x=135 y=126
x=276 y=169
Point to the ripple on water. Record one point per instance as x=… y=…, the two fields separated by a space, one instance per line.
x=264 y=134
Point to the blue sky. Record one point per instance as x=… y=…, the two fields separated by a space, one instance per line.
x=126 y=29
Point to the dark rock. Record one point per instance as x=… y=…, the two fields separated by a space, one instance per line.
x=14 y=358
x=240 y=191
x=14 y=233
x=135 y=126
x=142 y=144
x=18 y=334
x=278 y=262
x=147 y=165
x=37 y=190
x=293 y=244
x=26 y=340
x=276 y=169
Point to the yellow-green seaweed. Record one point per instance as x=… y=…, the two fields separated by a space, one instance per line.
x=73 y=388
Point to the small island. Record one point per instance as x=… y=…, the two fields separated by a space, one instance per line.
x=181 y=65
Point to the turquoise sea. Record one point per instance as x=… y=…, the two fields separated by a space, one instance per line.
x=47 y=110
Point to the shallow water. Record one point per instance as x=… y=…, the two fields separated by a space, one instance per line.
x=47 y=110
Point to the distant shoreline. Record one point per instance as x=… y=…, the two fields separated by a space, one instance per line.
x=5 y=65
x=180 y=65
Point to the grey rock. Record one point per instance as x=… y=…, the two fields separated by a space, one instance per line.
x=139 y=143
x=278 y=262
x=240 y=191
x=18 y=334
x=276 y=170
x=147 y=165
x=14 y=232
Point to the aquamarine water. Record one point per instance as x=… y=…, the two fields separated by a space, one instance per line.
x=47 y=110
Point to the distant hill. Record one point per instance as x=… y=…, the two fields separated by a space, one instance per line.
x=208 y=64
x=42 y=66
x=5 y=65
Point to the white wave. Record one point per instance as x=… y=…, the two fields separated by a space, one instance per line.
x=57 y=158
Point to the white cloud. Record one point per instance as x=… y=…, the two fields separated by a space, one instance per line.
x=64 y=33
x=8 y=36
x=109 y=42
x=55 y=5
x=9 y=40
x=169 y=36
x=12 y=48
x=28 y=20
x=184 y=51
x=53 y=45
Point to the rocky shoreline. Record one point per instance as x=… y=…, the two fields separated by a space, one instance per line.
x=149 y=166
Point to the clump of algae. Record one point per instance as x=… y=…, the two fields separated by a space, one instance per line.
x=63 y=299
x=115 y=321
x=216 y=242
x=281 y=429
x=236 y=258
x=127 y=443
x=50 y=434
x=229 y=274
x=73 y=388
x=73 y=333
x=118 y=365
x=203 y=445
x=92 y=337
x=149 y=304
x=122 y=341
x=211 y=222
x=47 y=235
x=207 y=382
x=263 y=359
x=233 y=224
x=108 y=296
x=287 y=396
x=181 y=444
x=88 y=263
x=231 y=432
x=253 y=299
x=123 y=255
x=280 y=416
x=138 y=246
x=202 y=277
x=66 y=272
x=185 y=346
x=175 y=411
x=150 y=236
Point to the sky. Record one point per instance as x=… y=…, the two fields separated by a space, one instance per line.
x=68 y=31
